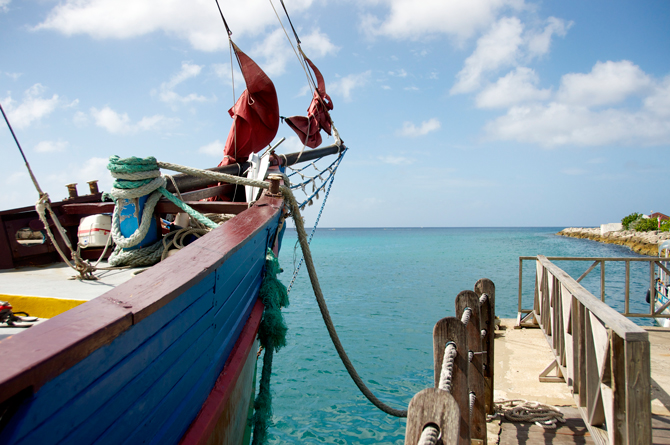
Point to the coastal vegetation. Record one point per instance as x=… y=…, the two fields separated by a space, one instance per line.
x=639 y=233
x=638 y=223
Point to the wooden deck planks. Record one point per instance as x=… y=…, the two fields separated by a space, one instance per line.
x=574 y=431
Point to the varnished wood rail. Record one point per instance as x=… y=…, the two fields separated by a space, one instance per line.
x=459 y=415
x=602 y=355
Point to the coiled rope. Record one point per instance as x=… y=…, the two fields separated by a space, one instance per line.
x=135 y=178
x=519 y=410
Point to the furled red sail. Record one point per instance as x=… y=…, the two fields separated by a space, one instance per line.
x=309 y=128
x=255 y=115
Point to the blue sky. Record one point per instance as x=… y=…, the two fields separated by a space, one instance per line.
x=457 y=113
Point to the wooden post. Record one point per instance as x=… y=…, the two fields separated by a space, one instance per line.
x=638 y=392
x=469 y=299
x=446 y=330
x=486 y=286
x=618 y=360
x=436 y=407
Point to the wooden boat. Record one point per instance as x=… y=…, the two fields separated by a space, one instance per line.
x=166 y=356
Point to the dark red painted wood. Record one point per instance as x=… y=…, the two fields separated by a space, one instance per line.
x=203 y=425
x=49 y=348
x=55 y=205
x=6 y=261
x=162 y=207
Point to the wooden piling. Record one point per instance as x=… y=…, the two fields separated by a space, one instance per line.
x=446 y=330
x=487 y=310
x=464 y=300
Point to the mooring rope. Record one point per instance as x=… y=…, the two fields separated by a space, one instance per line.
x=307 y=255
x=429 y=435
x=447 y=366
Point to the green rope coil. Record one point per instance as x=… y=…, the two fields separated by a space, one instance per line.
x=136 y=177
x=272 y=335
x=132 y=164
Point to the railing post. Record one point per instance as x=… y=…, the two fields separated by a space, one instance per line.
x=638 y=393
x=451 y=329
x=488 y=323
x=464 y=300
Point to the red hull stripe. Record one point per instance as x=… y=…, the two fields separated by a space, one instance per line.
x=203 y=425
x=87 y=231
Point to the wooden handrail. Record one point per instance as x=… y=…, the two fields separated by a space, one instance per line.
x=603 y=356
x=625 y=328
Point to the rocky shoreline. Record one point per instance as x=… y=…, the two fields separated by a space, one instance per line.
x=644 y=243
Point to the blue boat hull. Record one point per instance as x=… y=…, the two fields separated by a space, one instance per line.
x=159 y=359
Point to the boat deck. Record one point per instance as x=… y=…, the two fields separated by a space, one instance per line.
x=45 y=291
x=57 y=281
x=522 y=354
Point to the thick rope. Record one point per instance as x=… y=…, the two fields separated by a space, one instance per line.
x=447 y=366
x=465 y=318
x=302 y=238
x=429 y=435
x=518 y=410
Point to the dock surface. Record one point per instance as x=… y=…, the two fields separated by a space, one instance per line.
x=522 y=354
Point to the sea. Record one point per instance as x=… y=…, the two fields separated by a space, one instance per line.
x=386 y=289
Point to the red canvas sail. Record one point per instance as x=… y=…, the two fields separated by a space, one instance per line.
x=309 y=128
x=255 y=115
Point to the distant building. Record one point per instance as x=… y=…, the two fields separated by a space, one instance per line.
x=659 y=216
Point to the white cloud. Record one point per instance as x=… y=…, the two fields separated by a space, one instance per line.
x=496 y=49
x=507 y=43
x=3 y=5
x=80 y=119
x=539 y=42
x=13 y=76
x=318 y=44
x=396 y=160
x=117 y=123
x=412 y=19
x=518 y=86
x=346 y=85
x=411 y=130
x=92 y=169
x=33 y=108
x=658 y=102
x=197 y=21
x=212 y=149
x=51 y=146
x=577 y=115
x=607 y=83
x=276 y=51
x=557 y=124
x=222 y=71
x=166 y=92
x=400 y=73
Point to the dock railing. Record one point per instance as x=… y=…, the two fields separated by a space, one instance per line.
x=657 y=267
x=602 y=355
x=455 y=409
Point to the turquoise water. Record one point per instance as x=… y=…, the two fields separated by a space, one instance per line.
x=385 y=289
